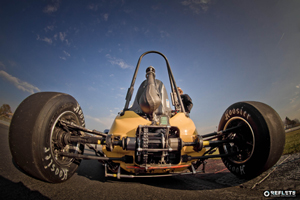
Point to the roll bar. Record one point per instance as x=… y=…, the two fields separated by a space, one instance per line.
x=175 y=96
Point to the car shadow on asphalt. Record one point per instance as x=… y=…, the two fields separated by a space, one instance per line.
x=216 y=177
x=91 y=169
x=94 y=170
x=11 y=190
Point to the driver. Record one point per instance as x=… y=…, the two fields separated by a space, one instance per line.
x=186 y=100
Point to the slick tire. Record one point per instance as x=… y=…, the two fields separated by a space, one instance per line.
x=259 y=142
x=34 y=133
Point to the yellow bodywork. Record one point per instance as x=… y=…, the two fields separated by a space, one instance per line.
x=126 y=126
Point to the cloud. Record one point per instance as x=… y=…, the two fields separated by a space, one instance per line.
x=105 y=16
x=66 y=53
x=52 y=8
x=64 y=57
x=50 y=27
x=109 y=32
x=48 y=40
x=197 y=5
x=164 y=34
x=117 y=61
x=62 y=36
x=45 y=39
x=22 y=85
x=296 y=96
x=57 y=36
x=92 y=7
x=106 y=121
x=2 y=65
x=292 y=100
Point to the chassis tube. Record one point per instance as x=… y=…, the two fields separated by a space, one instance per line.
x=86 y=157
x=186 y=158
x=126 y=159
x=208 y=143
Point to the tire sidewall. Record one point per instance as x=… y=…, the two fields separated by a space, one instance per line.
x=255 y=164
x=52 y=170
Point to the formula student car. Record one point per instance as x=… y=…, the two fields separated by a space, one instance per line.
x=47 y=136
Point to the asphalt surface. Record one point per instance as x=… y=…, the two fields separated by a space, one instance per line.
x=89 y=182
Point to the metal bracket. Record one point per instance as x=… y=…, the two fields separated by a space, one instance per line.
x=119 y=172
x=105 y=170
x=203 y=168
x=193 y=169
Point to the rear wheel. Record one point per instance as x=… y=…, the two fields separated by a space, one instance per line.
x=36 y=136
x=259 y=141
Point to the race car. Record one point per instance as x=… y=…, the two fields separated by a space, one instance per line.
x=151 y=138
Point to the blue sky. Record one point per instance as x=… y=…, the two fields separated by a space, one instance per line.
x=221 y=52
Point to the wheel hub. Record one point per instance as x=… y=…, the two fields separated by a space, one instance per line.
x=58 y=139
x=243 y=140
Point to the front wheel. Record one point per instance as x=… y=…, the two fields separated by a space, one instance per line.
x=259 y=141
x=35 y=136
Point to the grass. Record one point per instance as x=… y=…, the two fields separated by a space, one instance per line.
x=292 y=142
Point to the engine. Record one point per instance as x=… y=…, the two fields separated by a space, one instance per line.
x=155 y=145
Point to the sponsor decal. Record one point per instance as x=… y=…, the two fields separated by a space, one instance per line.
x=236 y=111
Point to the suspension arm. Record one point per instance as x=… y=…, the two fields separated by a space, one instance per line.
x=220 y=133
x=80 y=128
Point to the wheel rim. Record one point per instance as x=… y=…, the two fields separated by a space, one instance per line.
x=56 y=136
x=244 y=140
